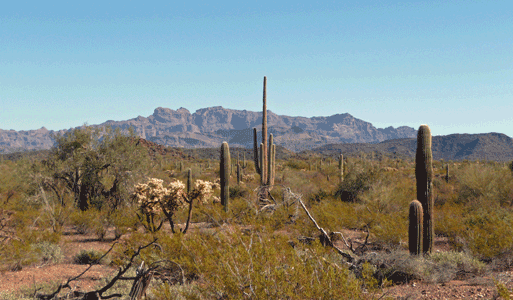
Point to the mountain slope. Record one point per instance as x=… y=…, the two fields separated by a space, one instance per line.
x=489 y=146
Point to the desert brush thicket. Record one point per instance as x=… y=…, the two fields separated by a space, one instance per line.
x=275 y=254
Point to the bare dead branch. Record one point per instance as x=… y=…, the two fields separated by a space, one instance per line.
x=326 y=237
x=97 y=294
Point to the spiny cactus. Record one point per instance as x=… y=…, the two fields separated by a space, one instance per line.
x=424 y=176
x=225 y=175
x=181 y=166
x=447 y=173
x=415 y=228
x=263 y=164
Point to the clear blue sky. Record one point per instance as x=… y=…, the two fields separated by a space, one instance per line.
x=448 y=64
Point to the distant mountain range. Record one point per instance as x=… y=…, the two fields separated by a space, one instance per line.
x=209 y=127
x=339 y=133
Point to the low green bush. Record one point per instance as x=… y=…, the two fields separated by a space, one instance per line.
x=88 y=257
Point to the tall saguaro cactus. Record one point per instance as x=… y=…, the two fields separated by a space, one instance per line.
x=225 y=175
x=263 y=164
x=415 y=228
x=424 y=176
x=264 y=134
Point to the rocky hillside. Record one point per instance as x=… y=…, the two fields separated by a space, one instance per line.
x=209 y=127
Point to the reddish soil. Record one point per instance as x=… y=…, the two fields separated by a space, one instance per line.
x=31 y=277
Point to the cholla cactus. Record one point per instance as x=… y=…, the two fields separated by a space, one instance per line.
x=149 y=195
x=153 y=198
x=203 y=190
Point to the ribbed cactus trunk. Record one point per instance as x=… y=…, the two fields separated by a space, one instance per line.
x=256 y=157
x=415 y=229
x=447 y=173
x=264 y=165
x=261 y=161
x=181 y=166
x=341 y=168
x=225 y=175
x=273 y=174
x=424 y=176
x=189 y=180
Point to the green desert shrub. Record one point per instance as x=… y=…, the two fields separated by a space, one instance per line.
x=238 y=191
x=485 y=184
x=91 y=221
x=30 y=246
x=296 y=164
x=124 y=221
x=87 y=257
x=357 y=181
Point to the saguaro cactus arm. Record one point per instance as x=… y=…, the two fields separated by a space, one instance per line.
x=415 y=228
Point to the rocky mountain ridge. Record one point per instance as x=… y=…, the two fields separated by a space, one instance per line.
x=209 y=127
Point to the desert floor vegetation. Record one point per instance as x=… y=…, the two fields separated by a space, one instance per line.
x=89 y=202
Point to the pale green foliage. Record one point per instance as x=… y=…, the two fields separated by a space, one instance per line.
x=48 y=252
x=502 y=290
x=94 y=171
